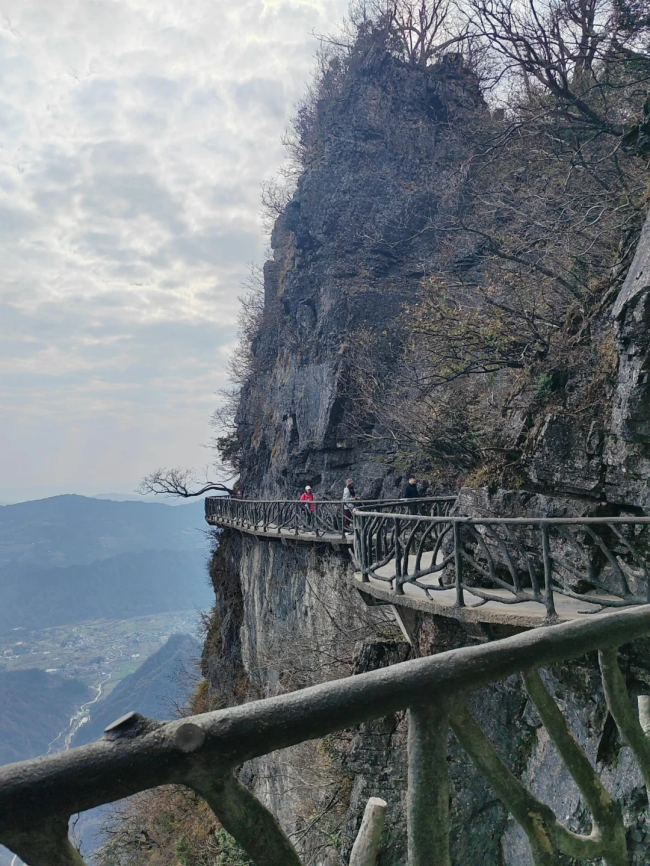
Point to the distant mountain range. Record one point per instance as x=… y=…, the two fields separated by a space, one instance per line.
x=124 y=586
x=34 y=708
x=72 y=530
x=70 y=559
x=159 y=685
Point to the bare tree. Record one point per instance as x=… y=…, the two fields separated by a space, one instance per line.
x=180 y=483
x=276 y=195
x=416 y=30
x=418 y=26
x=589 y=56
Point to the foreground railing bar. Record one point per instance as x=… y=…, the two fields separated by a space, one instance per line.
x=176 y=752
x=428 y=786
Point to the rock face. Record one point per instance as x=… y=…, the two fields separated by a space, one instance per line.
x=628 y=453
x=348 y=252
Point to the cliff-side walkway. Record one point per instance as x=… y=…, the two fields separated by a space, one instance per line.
x=417 y=554
x=329 y=522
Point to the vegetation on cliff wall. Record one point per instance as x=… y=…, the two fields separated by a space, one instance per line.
x=459 y=228
x=550 y=198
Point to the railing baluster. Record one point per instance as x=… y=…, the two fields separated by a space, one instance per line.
x=458 y=565
x=360 y=549
x=256 y=829
x=399 y=589
x=549 y=601
x=428 y=786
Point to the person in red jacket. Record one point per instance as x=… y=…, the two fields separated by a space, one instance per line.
x=308 y=498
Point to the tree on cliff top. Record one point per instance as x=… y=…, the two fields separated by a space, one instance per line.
x=415 y=30
x=588 y=57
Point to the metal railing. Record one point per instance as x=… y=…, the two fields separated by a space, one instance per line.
x=202 y=752
x=316 y=519
x=601 y=561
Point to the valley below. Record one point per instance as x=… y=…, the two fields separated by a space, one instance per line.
x=99 y=653
x=99 y=615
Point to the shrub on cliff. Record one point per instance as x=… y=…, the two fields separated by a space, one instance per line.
x=167 y=825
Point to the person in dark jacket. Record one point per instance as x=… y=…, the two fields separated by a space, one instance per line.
x=349 y=495
x=411 y=492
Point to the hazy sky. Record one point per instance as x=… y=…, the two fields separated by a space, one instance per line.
x=134 y=137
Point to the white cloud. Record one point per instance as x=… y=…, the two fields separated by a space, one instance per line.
x=134 y=137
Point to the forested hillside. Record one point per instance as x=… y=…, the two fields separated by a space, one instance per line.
x=158 y=689
x=68 y=559
x=34 y=707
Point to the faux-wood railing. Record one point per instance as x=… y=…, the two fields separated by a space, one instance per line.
x=318 y=519
x=202 y=752
x=599 y=561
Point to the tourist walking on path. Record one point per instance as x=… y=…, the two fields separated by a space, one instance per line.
x=411 y=492
x=309 y=507
x=349 y=495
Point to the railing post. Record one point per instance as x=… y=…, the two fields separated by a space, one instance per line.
x=458 y=566
x=399 y=587
x=361 y=542
x=428 y=786
x=367 y=845
x=643 y=703
x=551 y=614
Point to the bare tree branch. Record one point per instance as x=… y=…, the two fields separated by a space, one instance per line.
x=178 y=482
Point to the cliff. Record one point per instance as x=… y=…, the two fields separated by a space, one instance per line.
x=351 y=249
x=525 y=412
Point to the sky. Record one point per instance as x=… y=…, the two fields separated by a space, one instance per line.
x=134 y=139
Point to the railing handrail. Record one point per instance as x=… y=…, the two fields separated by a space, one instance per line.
x=514 y=521
x=306 y=520
x=331 y=501
x=183 y=751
